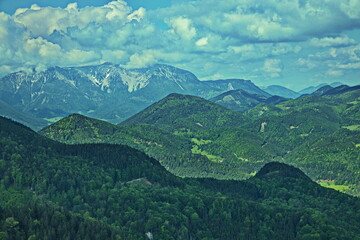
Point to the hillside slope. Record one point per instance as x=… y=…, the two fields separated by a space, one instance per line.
x=183 y=152
x=317 y=133
x=122 y=187
x=241 y=101
x=320 y=134
x=178 y=112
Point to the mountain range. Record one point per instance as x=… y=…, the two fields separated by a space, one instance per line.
x=105 y=91
x=241 y=101
x=154 y=153
x=281 y=91
x=113 y=93
x=312 y=89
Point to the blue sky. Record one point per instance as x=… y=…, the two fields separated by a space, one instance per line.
x=294 y=43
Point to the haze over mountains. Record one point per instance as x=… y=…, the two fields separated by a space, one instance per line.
x=113 y=93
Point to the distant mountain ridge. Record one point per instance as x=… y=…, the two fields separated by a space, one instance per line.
x=281 y=91
x=113 y=93
x=105 y=91
x=312 y=89
x=241 y=101
x=225 y=85
x=329 y=90
x=27 y=119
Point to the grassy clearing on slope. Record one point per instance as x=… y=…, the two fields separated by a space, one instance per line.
x=353 y=127
x=200 y=142
x=331 y=184
x=195 y=150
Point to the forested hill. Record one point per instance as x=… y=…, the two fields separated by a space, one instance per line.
x=99 y=191
x=319 y=134
x=193 y=137
x=180 y=151
x=178 y=111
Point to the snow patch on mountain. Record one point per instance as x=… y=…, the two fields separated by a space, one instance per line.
x=106 y=82
x=61 y=77
x=169 y=73
x=230 y=87
x=134 y=80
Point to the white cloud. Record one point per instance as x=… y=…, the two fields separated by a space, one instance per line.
x=137 y=15
x=252 y=20
x=202 y=42
x=355 y=65
x=247 y=38
x=71 y=36
x=183 y=27
x=334 y=73
x=140 y=60
x=113 y=56
x=306 y=64
x=332 y=41
x=273 y=67
x=41 y=47
x=263 y=50
x=351 y=8
x=333 y=62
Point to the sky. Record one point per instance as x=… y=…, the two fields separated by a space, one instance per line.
x=294 y=43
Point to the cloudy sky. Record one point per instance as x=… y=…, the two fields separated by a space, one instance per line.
x=295 y=43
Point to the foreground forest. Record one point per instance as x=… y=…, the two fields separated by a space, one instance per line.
x=99 y=191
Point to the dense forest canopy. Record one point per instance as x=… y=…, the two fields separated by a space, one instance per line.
x=103 y=191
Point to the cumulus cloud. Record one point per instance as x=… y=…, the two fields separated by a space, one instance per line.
x=355 y=65
x=306 y=64
x=263 y=50
x=248 y=38
x=40 y=37
x=334 y=73
x=351 y=8
x=332 y=41
x=251 y=20
x=183 y=27
x=137 y=15
x=140 y=60
x=273 y=67
x=333 y=62
x=202 y=42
